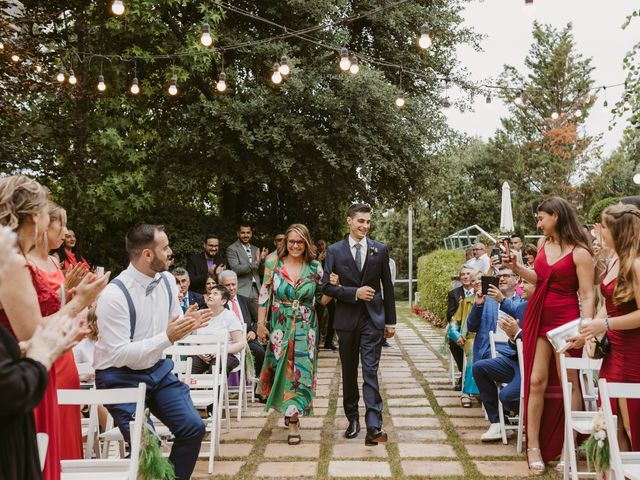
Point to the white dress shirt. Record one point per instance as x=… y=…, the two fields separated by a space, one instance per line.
x=224 y=321
x=363 y=249
x=114 y=348
x=234 y=300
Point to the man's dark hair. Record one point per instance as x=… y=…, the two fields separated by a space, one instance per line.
x=358 y=208
x=245 y=225
x=224 y=292
x=633 y=200
x=141 y=236
x=211 y=235
x=516 y=235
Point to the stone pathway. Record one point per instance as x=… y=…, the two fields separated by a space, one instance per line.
x=431 y=436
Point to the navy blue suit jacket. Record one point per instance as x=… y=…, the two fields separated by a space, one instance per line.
x=516 y=310
x=375 y=274
x=195 y=297
x=482 y=319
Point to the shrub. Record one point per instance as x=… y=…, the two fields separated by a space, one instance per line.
x=595 y=214
x=434 y=280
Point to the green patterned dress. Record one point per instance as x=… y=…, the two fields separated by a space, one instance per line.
x=288 y=377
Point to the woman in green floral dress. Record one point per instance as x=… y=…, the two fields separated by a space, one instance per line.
x=292 y=281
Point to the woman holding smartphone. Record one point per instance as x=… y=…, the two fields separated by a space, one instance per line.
x=563 y=274
x=619 y=317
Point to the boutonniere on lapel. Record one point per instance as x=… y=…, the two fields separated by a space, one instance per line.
x=373 y=251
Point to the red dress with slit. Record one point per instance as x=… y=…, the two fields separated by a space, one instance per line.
x=554 y=303
x=622 y=363
x=46 y=414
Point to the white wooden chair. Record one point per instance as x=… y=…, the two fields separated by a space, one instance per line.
x=499 y=336
x=623 y=464
x=241 y=388
x=43 y=444
x=209 y=388
x=125 y=469
x=579 y=421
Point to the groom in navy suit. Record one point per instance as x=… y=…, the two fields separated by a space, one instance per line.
x=365 y=315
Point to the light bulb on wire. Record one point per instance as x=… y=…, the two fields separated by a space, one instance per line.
x=627 y=103
x=578 y=113
x=1 y=46
x=101 y=85
x=424 y=41
x=400 y=99
x=354 y=68
x=60 y=77
x=221 y=86
x=276 y=76
x=345 y=63
x=205 y=38
x=555 y=115
x=117 y=7
x=173 y=87
x=518 y=100
x=72 y=77
x=283 y=68
x=135 y=86
x=636 y=179
x=15 y=58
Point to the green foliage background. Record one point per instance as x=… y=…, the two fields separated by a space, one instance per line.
x=434 y=279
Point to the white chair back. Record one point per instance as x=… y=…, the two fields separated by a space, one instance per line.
x=43 y=443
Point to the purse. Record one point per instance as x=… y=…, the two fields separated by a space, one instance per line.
x=602 y=347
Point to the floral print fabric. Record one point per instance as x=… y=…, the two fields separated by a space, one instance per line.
x=288 y=377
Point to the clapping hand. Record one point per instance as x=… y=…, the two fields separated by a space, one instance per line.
x=74 y=276
x=89 y=288
x=53 y=339
x=264 y=253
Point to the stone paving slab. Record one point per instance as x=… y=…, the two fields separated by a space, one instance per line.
x=503 y=469
x=493 y=449
x=432 y=468
x=346 y=468
x=287 y=469
x=305 y=450
x=219 y=468
x=410 y=436
x=425 y=450
x=408 y=402
x=358 y=450
x=415 y=422
x=410 y=411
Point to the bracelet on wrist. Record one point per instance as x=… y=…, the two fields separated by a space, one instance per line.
x=606 y=323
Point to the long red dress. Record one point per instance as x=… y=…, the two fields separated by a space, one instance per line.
x=67 y=378
x=46 y=414
x=622 y=362
x=554 y=303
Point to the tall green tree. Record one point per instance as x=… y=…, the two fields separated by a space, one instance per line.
x=299 y=151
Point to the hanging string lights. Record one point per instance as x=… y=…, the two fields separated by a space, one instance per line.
x=135 y=86
x=345 y=63
x=221 y=86
x=283 y=68
x=276 y=76
x=605 y=104
x=1 y=46
x=101 y=85
x=205 y=38
x=117 y=7
x=400 y=99
x=72 y=77
x=173 y=86
x=424 y=41
x=60 y=77
x=445 y=102
x=555 y=115
x=519 y=100
x=15 y=58
x=354 y=67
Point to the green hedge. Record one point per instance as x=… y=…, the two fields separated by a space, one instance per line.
x=595 y=214
x=434 y=279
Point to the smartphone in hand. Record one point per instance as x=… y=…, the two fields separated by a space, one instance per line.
x=487 y=280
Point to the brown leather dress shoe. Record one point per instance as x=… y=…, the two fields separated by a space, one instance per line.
x=375 y=436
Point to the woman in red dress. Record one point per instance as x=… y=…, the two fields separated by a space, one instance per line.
x=563 y=274
x=68 y=254
x=619 y=317
x=27 y=299
x=65 y=367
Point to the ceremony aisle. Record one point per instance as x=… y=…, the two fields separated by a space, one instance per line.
x=430 y=434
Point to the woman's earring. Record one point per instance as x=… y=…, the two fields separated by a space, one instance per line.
x=35 y=237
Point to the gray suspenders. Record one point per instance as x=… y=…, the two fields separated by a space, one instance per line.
x=132 y=309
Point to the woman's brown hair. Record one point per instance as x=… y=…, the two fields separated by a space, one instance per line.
x=303 y=231
x=623 y=221
x=568 y=228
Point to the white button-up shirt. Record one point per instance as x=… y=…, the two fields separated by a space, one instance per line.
x=363 y=249
x=114 y=347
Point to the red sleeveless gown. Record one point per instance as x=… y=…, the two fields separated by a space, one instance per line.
x=624 y=350
x=554 y=303
x=46 y=414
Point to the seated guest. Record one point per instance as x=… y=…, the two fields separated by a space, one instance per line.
x=454 y=297
x=223 y=320
x=187 y=298
x=484 y=314
x=529 y=253
x=245 y=311
x=208 y=263
x=505 y=367
x=459 y=333
x=68 y=253
x=212 y=281
x=480 y=260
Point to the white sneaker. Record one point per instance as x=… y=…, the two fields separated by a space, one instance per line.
x=494 y=433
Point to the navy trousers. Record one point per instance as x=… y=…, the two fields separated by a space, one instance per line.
x=364 y=342
x=503 y=370
x=169 y=400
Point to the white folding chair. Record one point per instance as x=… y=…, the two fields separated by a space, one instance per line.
x=241 y=389
x=453 y=375
x=589 y=387
x=499 y=336
x=579 y=421
x=623 y=464
x=43 y=443
x=209 y=388
x=125 y=469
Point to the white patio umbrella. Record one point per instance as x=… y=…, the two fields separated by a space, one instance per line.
x=506 y=214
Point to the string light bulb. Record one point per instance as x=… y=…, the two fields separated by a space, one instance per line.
x=38 y=68
x=173 y=87
x=345 y=63
x=446 y=103
x=627 y=103
x=101 y=85
x=636 y=179
x=205 y=38
x=354 y=67
x=60 y=77
x=578 y=113
x=15 y=58
x=72 y=77
x=221 y=86
x=518 y=100
x=555 y=115
x=135 y=86
x=400 y=99
x=424 y=41
x=283 y=68
x=276 y=76
x=1 y=46
x=605 y=104
x=117 y=7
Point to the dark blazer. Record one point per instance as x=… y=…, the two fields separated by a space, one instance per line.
x=198 y=270
x=195 y=297
x=249 y=313
x=453 y=300
x=375 y=274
